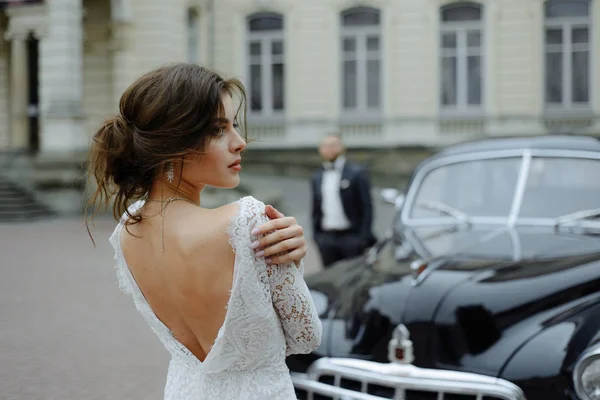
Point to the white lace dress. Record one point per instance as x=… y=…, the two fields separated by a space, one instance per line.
x=270 y=314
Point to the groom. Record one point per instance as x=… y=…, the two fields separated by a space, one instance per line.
x=342 y=210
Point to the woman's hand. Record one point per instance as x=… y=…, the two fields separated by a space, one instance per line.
x=284 y=239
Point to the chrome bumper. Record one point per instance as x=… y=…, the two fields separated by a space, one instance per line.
x=398 y=378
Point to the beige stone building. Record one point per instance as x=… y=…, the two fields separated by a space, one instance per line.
x=382 y=72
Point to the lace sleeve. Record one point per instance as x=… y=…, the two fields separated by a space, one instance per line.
x=290 y=296
x=295 y=307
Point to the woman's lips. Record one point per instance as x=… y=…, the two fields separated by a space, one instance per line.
x=236 y=166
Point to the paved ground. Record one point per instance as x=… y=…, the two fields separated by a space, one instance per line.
x=66 y=332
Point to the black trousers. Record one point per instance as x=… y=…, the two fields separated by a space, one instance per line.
x=338 y=245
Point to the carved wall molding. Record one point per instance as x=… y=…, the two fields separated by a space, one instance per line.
x=25 y=20
x=198 y=4
x=97 y=35
x=121 y=11
x=3 y=27
x=118 y=36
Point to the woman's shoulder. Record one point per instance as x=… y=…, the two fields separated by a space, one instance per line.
x=244 y=214
x=224 y=222
x=248 y=201
x=245 y=207
x=249 y=204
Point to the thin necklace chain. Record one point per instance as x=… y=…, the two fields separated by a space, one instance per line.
x=164 y=204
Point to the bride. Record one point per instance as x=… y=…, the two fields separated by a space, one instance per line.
x=221 y=288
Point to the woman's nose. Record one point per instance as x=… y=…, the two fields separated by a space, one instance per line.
x=239 y=144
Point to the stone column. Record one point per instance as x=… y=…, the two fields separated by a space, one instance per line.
x=19 y=123
x=61 y=79
x=4 y=91
x=22 y=21
x=123 y=59
x=122 y=55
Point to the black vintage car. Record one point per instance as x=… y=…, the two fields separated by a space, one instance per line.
x=492 y=267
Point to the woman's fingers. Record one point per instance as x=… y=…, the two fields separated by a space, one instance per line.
x=277 y=236
x=286 y=258
x=286 y=246
x=283 y=241
x=274 y=224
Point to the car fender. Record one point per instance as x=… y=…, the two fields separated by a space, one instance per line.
x=543 y=364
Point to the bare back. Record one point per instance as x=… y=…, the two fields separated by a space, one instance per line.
x=208 y=263
x=187 y=285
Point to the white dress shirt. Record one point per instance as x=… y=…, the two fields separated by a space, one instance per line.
x=334 y=217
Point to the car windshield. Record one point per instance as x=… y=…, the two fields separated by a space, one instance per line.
x=475 y=188
x=487 y=188
x=560 y=186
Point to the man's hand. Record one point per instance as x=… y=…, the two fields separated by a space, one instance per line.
x=284 y=239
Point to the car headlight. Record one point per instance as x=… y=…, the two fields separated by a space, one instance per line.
x=586 y=374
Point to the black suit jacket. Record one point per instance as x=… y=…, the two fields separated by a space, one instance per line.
x=355 y=193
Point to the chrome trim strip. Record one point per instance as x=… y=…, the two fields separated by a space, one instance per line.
x=438 y=221
x=516 y=244
x=399 y=377
x=551 y=153
x=302 y=382
x=520 y=188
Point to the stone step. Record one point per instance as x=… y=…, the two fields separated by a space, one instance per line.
x=12 y=204
x=24 y=216
x=34 y=209
x=57 y=178
x=19 y=204
x=10 y=193
x=15 y=193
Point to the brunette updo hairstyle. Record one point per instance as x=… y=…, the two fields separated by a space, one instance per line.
x=165 y=115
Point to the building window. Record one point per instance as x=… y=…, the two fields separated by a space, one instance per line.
x=361 y=59
x=266 y=68
x=193 y=35
x=461 y=38
x=567 y=54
